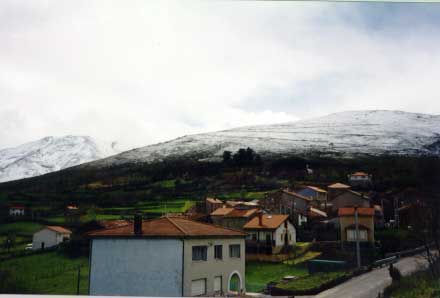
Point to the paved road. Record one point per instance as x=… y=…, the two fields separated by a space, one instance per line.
x=369 y=285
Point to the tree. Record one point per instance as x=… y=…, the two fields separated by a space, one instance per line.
x=227 y=156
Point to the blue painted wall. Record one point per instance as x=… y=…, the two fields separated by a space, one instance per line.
x=136 y=267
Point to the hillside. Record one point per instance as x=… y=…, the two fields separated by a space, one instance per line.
x=342 y=134
x=50 y=154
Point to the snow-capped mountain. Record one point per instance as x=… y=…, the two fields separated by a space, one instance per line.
x=51 y=154
x=347 y=133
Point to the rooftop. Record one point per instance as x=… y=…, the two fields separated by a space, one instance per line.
x=295 y=194
x=317 y=189
x=59 y=229
x=234 y=212
x=214 y=201
x=269 y=221
x=173 y=227
x=339 y=185
x=359 y=174
x=350 y=211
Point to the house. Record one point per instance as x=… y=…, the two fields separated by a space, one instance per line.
x=212 y=204
x=242 y=204
x=336 y=189
x=360 y=179
x=349 y=198
x=16 y=210
x=167 y=257
x=348 y=225
x=50 y=236
x=318 y=195
x=72 y=214
x=269 y=234
x=288 y=202
x=233 y=218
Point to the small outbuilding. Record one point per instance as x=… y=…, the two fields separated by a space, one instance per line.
x=50 y=236
x=16 y=210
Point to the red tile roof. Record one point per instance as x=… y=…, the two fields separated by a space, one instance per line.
x=241 y=212
x=59 y=229
x=359 y=174
x=313 y=212
x=221 y=211
x=173 y=227
x=270 y=222
x=214 y=201
x=111 y=224
x=339 y=185
x=362 y=211
x=317 y=189
x=17 y=207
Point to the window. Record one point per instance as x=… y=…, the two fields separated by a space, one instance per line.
x=217 y=284
x=199 y=253
x=351 y=235
x=234 y=251
x=218 y=252
x=198 y=287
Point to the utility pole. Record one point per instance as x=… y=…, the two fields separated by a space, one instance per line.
x=358 y=253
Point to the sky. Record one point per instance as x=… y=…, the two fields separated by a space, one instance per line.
x=142 y=72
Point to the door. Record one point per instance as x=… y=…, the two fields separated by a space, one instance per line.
x=218 y=284
x=198 y=287
x=42 y=245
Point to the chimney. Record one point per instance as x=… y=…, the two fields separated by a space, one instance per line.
x=260 y=218
x=138 y=224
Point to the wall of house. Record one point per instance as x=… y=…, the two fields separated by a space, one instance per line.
x=136 y=267
x=281 y=231
x=367 y=221
x=349 y=199
x=211 y=268
x=291 y=202
x=49 y=237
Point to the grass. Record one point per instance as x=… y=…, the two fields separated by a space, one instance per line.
x=20 y=228
x=48 y=273
x=258 y=274
x=420 y=285
x=309 y=282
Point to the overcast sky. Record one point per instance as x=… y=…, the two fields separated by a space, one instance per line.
x=140 y=72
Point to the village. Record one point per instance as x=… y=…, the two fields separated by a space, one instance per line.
x=297 y=240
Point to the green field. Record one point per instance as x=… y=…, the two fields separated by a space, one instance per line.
x=47 y=273
x=20 y=228
x=258 y=274
x=309 y=282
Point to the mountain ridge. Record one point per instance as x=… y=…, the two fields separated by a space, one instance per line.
x=348 y=133
x=50 y=154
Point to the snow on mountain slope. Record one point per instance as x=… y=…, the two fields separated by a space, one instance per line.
x=50 y=154
x=347 y=133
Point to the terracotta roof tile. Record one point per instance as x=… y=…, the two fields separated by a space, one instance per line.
x=241 y=212
x=214 y=201
x=221 y=211
x=359 y=174
x=313 y=212
x=270 y=222
x=59 y=229
x=317 y=189
x=338 y=185
x=175 y=227
x=361 y=211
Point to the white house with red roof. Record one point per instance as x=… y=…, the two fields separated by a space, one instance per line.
x=269 y=233
x=16 y=210
x=168 y=256
x=50 y=236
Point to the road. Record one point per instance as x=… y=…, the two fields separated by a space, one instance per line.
x=370 y=284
